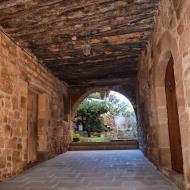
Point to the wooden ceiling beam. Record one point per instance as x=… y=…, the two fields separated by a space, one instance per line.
x=55 y=31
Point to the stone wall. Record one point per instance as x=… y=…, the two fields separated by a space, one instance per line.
x=171 y=38
x=20 y=73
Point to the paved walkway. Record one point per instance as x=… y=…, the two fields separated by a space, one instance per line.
x=91 y=170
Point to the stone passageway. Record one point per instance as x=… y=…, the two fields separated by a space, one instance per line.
x=54 y=53
x=92 y=170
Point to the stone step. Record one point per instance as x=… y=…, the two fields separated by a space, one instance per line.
x=114 y=145
x=115 y=142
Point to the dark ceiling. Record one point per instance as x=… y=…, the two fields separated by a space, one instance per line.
x=56 y=32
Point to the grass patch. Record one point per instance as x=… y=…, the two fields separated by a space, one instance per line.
x=95 y=139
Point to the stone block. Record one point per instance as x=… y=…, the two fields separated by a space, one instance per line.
x=16 y=156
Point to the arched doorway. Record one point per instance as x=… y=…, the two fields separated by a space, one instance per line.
x=119 y=118
x=173 y=119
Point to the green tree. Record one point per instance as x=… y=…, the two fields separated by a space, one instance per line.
x=93 y=107
x=117 y=107
x=90 y=110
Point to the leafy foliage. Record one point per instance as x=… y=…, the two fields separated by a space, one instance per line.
x=76 y=137
x=93 y=107
x=95 y=95
x=117 y=107
x=90 y=111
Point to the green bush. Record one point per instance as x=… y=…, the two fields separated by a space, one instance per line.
x=76 y=137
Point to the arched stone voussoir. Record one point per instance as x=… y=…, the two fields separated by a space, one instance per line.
x=78 y=95
x=167 y=43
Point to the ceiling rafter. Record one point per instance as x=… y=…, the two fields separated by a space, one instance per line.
x=55 y=31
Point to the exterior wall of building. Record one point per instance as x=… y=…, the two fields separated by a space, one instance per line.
x=171 y=38
x=20 y=74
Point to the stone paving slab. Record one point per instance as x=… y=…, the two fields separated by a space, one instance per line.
x=92 y=170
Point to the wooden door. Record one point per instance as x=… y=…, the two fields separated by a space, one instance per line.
x=173 y=119
x=32 y=126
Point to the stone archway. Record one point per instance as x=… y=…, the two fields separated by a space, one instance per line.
x=161 y=111
x=79 y=95
x=125 y=126
x=167 y=47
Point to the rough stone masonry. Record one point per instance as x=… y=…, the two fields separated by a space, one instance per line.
x=133 y=52
x=21 y=73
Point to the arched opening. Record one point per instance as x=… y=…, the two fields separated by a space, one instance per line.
x=105 y=116
x=173 y=119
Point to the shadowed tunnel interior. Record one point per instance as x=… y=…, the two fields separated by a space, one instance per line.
x=54 y=53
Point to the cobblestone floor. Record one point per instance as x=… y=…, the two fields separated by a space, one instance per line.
x=91 y=170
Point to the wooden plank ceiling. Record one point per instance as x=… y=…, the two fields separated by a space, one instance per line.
x=56 y=31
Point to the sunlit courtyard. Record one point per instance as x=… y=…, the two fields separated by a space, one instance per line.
x=105 y=116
